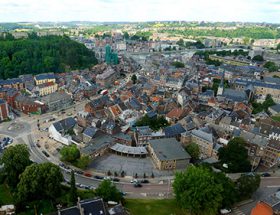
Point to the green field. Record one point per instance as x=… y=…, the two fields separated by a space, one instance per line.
x=5 y=195
x=153 y=207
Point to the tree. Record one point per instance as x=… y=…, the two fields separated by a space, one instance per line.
x=83 y=162
x=246 y=185
x=15 y=160
x=70 y=153
x=271 y=66
x=108 y=191
x=180 y=42
x=39 y=181
x=196 y=191
x=178 y=64
x=193 y=150
x=126 y=35
x=235 y=155
x=258 y=58
x=134 y=78
x=73 y=189
x=229 y=191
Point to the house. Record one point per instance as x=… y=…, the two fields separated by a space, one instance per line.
x=4 y=110
x=110 y=127
x=15 y=83
x=28 y=105
x=99 y=145
x=176 y=114
x=123 y=138
x=168 y=154
x=205 y=140
x=271 y=153
x=107 y=78
x=174 y=131
x=88 y=134
x=274 y=110
x=61 y=131
x=57 y=101
x=44 y=78
x=86 y=207
x=142 y=135
x=46 y=88
x=84 y=119
x=262 y=208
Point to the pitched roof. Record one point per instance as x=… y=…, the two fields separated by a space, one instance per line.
x=174 y=130
x=89 y=131
x=262 y=209
x=176 y=113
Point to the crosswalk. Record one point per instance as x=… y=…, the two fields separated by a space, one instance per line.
x=237 y=211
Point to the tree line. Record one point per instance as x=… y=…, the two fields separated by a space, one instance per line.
x=36 y=55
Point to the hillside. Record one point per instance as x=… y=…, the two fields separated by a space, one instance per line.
x=42 y=54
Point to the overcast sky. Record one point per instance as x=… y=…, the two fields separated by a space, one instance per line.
x=140 y=10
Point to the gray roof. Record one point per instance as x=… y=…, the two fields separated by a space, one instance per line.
x=55 y=97
x=275 y=108
x=174 y=130
x=65 y=124
x=89 y=131
x=203 y=135
x=169 y=149
x=129 y=149
x=235 y=95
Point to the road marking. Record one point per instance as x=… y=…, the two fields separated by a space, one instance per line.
x=237 y=211
x=273 y=186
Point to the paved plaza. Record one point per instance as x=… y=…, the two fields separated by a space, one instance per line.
x=129 y=165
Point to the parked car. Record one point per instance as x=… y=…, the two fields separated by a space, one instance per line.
x=87 y=174
x=134 y=181
x=225 y=211
x=144 y=181
x=45 y=153
x=265 y=174
x=98 y=177
x=137 y=185
x=116 y=179
x=79 y=172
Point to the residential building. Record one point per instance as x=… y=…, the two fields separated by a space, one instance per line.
x=271 y=153
x=168 y=154
x=61 y=131
x=16 y=83
x=86 y=207
x=47 y=88
x=107 y=78
x=205 y=141
x=44 y=78
x=4 y=110
x=29 y=105
x=57 y=101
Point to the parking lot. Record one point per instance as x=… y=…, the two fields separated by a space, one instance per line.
x=130 y=165
x=5 y=142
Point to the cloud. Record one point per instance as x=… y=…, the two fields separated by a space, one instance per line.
x=144 y=10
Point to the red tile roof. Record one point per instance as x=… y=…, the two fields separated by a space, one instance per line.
x=262 y=209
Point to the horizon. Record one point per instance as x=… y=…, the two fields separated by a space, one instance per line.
x=131 y=11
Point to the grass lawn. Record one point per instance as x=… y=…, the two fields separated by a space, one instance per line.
x=5 y=195
x=276 y=118
x=153 y=206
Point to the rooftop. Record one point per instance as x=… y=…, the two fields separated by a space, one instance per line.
x=169 y=149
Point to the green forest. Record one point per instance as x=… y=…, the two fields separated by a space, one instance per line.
x=37 y=55
x=249 y=32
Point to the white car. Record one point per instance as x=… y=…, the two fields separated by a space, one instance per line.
x=134 y=181
x=225 y=211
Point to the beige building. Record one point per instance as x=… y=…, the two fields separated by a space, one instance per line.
x=205 y=141
x=47 y=88
x=44 y=78
x=271 y=153
x=168 y=154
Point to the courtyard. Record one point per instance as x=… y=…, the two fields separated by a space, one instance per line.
x=130 y=165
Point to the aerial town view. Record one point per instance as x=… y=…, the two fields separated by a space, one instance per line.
x=152 y=107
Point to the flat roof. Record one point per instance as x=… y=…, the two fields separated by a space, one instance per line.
x=129 y=149
x=169 y=149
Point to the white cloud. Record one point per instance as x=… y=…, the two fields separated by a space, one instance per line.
x=144 y=10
